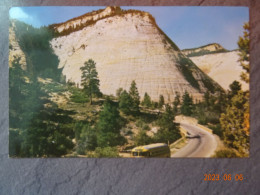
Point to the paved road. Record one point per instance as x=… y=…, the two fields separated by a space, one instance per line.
x=200 y=144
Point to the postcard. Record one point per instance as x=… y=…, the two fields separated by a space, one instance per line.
x=129 y=82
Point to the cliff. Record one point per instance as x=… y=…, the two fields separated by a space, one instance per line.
x=224 y=68
x=127 y=46
x=206 y=49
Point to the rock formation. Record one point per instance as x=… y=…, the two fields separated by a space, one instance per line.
x=224 y=68
x=127 y=46
x=206 y=49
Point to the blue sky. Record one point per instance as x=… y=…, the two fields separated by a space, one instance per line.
x=187 y=26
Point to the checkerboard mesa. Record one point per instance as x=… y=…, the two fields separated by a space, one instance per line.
x=128 y=45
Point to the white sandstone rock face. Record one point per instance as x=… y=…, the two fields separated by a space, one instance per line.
x=125 y=48
x=14 y=49
x=224 y=68
x=93 y=16
x=210 y=47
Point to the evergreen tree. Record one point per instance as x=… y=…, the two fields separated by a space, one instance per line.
x=119 y=91
x=147 y=100
x=109 y=126
x=87 y=139
x=243 y=44
x=187 y=104
x=89 y=79
x=49 y=133
x=232 y=122
x=142 y=138
x=169 y=131
x=235 y=87
x=125 y=102
x=134 y=94
x=235 y=120
x=161 y=101
x=17 y=96
x=176 y=103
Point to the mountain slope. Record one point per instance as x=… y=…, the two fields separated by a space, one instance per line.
x=224 y=68
x=127 y=46
x=205 y=49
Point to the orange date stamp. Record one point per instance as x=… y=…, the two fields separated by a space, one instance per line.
x=225 y=177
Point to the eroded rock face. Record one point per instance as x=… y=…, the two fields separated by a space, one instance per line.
x=214 y=47
x=128 y=47
x=14 y=49
x=224 y=68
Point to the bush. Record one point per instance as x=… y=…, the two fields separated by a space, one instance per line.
x=142 y=138
x=217 y=130
x=226 y=153
x=104 y=152
x=146 y=127
x=140 y=123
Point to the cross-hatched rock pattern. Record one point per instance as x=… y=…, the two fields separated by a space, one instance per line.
x=129 y=47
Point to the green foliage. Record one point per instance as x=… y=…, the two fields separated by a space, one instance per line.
x=205 y=52
x=134 y=94
x=226 y=153
x=235 y=87
x=49 y=134
x=176 y=103
x=142 y=138
x=40 y=58
x=78 y=96
x=232 y=122
x=119 y=91
x=169 y=131
x=208 y=83
x=117 y=11
x=125 y=102
x=147 y=101
x=161 y=101
x=15 y=142
x=243 y=44
x=89 y=79
x=142 y=124
x=186 y=66
x=106 y=152
x=54 y=87
x=154 y=105
x=217 y=130
x=41 y=129
x=87 y=140
x=187 y=104
x=109 y=126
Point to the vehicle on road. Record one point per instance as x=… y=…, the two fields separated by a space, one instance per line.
x=151 y=150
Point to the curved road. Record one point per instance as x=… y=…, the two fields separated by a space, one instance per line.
x=200 y=144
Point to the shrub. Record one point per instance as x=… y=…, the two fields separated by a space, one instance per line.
x=226 y=153
x=104 y=152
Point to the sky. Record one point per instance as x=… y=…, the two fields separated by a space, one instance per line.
x=188 y=27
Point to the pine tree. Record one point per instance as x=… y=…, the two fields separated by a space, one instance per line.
x=176 y=103
x=243 y=44
x=125 y=102
x=109 y=126
x=147 y=100
x=134 y=94
x=187 y=104
x=235 y=87
x=161 y=101
x=169 y=131
x=119 y=91
x=233 y=123
x=235 y=120
x=89 y=79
